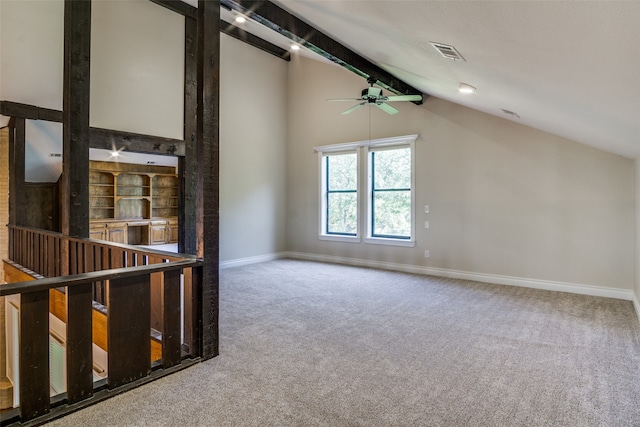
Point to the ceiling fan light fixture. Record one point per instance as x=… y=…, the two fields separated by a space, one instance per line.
x=465 y=88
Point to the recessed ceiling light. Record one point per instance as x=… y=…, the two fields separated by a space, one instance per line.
x=115 y=154
x=295 y=47
x=240 y=19
x=465 y=88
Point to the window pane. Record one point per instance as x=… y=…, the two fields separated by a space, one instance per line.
x=392 y=168
x=342 y=172
x=392 y=213
x=342 y=213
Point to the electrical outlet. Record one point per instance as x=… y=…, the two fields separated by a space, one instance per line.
x=426 y=208
x=426 y=224
x=426 y=254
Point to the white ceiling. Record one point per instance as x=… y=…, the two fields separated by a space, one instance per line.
x=566 y=67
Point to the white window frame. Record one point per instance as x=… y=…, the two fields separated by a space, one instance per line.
x=322 y=234
x=363 y=150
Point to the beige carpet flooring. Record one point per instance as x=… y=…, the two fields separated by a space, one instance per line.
x=310 y=344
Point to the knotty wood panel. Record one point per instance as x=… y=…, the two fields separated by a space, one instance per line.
x=128 y=329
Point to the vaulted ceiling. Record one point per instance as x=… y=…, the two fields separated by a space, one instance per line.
x=566 y=67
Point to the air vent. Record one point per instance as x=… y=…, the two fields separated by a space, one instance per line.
x=447 y=51
x=55 y=154
x=510 y=113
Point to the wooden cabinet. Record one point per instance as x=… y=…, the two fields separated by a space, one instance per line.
x=133 y=204
x=158 y=232
x=98 y=230
x=117 y=232
x=173 y=231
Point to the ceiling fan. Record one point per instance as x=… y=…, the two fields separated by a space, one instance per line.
x=373 y=95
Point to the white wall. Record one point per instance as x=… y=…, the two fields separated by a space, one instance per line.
x=505 y=199
x=253 y=135
x=137 y=68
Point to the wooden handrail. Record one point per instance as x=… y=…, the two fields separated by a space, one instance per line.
x=138 y=249
x=96 y=276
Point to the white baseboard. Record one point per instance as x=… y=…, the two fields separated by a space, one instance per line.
x=574 y=288
x=251 y=260
x=636 y=305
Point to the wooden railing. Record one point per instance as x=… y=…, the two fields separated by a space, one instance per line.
x=141 y=290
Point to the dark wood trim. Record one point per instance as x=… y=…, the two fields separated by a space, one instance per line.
x=79 y=342
x=208 y=169
x=34 y=354
x=128 y=328
x=244 y=36
x=171 y=345
x=283 y=22
x=179 y=7
x=188 y=165
x=108 y=139
x=75 y=126
x=17 y=141
x=31 y=112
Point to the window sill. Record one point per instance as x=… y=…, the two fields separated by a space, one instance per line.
x=390 y=242
x=336 y=238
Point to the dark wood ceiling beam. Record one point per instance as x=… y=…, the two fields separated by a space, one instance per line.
x=237 y=33
x=107 y=139
x=294 y=28
x=179 y=7
x=30 y=112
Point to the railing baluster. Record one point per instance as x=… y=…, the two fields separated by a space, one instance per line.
x=79 y=343
x=34 y=354
x=196 y=310
x=171 y=345
x=128 y=329
x=156 y=299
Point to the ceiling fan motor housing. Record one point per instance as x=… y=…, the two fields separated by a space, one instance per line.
x=371 y=94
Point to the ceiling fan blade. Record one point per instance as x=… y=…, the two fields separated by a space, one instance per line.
x=386 y=108
x=354 y=108
x=403 y=98
x=345 y=99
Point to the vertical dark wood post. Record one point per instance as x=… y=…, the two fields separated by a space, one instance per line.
x=128 y=330
x=75 y=188
x=188 y=165
x=208 y=168
x=171 y=345
x=34 y=354
x=17 y=190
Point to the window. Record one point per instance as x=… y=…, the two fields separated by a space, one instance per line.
x=341 y=204
x=380 y=205
x=390 y=183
